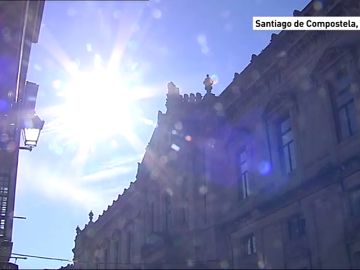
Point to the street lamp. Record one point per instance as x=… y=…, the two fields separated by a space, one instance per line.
x=31 y=131
x=31 y=124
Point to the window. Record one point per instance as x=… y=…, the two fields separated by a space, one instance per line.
x=355 y=202
x=117 y=252
x=250 y=245
x=152 y=217
x=167 y=210
x=205 y=208
x=296 y=227
x=4 y=193
x=2 y=227
x=183 y=216
x=345 y=107
x=129 y=244
x=243 y=180
x=287 y=145
x=106 y=258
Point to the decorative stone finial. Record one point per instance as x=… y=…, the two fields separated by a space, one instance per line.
x=273 y=37
x=208 y=82
x=91 y=215
x=296 y=12
x=160 y=117
x=138 y=170
x=253 y=56
x=78 y=230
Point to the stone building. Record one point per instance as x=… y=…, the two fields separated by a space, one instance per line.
x=19 y=28
x=265 y=175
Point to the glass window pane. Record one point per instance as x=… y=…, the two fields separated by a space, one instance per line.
x=355 y=202
x=343 y=81
x=244 y=188
x=292 y=156
x=253 y=244
x=352 y=117
x=244 y=167
x=243 y=156
x=343 y=124
x=286 y=158
x=344 y=97
x=287 y=137
x=245 y=184
x=285 y=125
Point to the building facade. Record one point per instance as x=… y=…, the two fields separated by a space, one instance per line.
x=265 y=175
x=19 y=28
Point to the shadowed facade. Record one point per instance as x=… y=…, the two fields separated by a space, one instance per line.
x=20 y=26
x=266 y=175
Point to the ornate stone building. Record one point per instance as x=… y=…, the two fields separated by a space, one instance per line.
x=266 y=175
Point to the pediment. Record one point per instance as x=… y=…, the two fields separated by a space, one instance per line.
x=279 y=101
x=330 y=57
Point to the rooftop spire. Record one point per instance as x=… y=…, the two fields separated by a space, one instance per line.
x=91 y=215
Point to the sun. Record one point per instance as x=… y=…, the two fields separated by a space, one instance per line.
x=98 y=104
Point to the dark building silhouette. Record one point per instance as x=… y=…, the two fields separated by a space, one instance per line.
x=19 y=28
x=265 y=175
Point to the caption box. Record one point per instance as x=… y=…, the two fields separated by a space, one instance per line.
x=307 y=23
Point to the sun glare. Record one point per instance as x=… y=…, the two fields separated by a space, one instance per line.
x=99 y=104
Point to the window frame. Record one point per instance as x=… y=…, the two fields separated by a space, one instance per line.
x=243 y=172
x=117 y=252
x=296 y=225
x=287 y=148
x=337 y=89
x=167 y=211
x=129 y=247
x=250 y=245
x=352 y=192
x=152 y=217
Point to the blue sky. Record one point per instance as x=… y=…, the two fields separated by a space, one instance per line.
x=103 y=68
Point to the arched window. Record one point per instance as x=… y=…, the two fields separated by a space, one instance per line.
x=167 y=211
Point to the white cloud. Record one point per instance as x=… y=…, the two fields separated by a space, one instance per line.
x=71 y=188
x=37 y=67
x=156 y=13
x=106 y=173
x=89 y=47
x=52 y=185
x=56 y=84
x=202 y=41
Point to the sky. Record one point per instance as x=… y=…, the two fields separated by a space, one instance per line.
x=103 y=68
